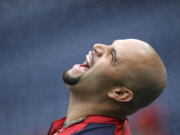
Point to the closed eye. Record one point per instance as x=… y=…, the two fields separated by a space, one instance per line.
x=113 y=53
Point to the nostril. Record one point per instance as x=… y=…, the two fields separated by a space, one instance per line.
x=98 y=51
x=95 y=52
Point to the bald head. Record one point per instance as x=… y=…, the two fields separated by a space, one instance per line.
x=142 y=71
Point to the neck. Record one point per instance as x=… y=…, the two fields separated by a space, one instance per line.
x=81 y=109
x=77 y=110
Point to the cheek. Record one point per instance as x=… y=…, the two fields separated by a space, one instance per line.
x=104 y=75
x=101 y=70
x=113 y=75
x=97 y=80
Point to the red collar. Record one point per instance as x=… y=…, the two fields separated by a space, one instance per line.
x=95 y=119
x=120 y=124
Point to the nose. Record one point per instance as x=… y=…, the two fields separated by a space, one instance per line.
x=101 y=49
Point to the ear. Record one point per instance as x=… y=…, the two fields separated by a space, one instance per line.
x=121 y=94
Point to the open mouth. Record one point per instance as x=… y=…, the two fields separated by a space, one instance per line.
x=81 y=68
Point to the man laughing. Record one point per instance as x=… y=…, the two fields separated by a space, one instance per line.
x=115 y=81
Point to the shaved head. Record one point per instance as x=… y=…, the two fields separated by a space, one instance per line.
x=142 y=70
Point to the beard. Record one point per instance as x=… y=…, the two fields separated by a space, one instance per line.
x=69 y=79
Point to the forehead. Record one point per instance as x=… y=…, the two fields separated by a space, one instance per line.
x=128 y=49
x=132 y=50
x=122 y=48
x=119 y=44
x=130 y=46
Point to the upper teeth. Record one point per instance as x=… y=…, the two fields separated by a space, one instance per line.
x=87 y=57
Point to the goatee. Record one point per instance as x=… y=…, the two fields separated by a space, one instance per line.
x=69 y=79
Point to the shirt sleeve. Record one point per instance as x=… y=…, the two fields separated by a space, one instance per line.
x=97 y=129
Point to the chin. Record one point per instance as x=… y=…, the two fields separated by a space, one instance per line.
x=71 y=79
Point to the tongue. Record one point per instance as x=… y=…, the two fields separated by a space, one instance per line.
x=84 y=65
x=81 y=68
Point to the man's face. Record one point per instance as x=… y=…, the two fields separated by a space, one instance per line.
x=104 y=64
x=74 y=75
x=98 y=68
x=118 y=71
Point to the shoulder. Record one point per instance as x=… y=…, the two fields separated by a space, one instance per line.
x=97 y=129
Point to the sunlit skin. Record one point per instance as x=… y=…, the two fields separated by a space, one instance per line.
x=123 y=77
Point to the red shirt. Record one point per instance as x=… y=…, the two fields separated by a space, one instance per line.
x=92 y=125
